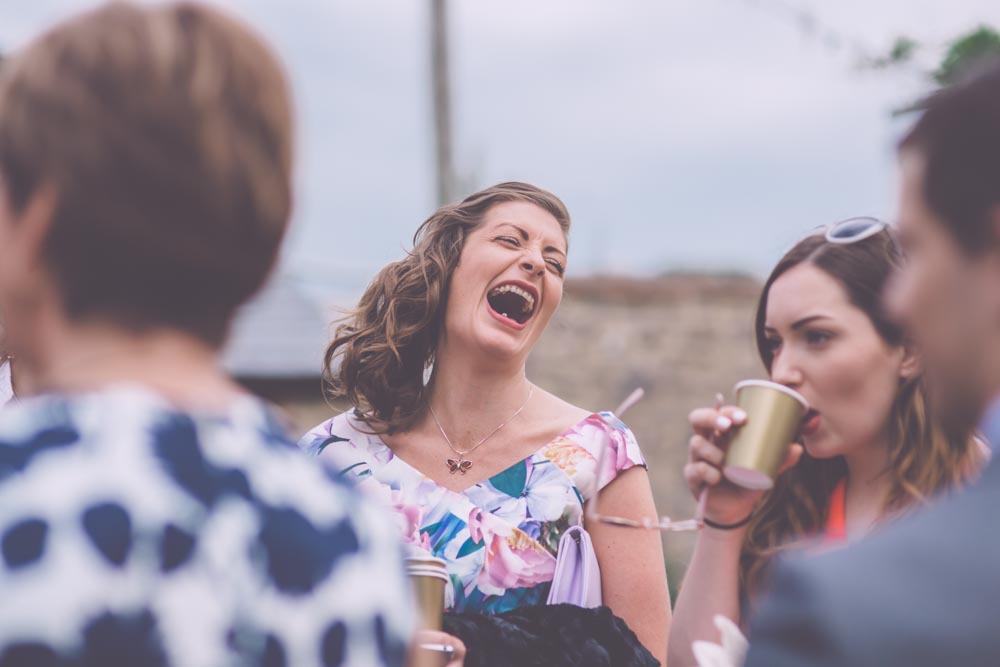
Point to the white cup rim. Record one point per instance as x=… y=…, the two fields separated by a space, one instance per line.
x=773 y=385
x=431 y=561
x=433 y=574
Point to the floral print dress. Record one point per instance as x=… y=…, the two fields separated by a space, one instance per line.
x=500 y=536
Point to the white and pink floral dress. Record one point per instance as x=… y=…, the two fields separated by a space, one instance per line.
x=500 y=536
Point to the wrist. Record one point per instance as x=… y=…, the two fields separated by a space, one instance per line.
x=728 y=525
x=731 y=541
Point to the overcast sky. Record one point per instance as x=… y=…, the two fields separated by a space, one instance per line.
x=682 y=134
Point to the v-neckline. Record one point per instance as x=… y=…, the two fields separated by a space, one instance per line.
x=465 y=490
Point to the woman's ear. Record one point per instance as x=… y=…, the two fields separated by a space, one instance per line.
x=34 y=224
x=912 y=363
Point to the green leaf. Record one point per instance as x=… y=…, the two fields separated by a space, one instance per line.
x=329 y=441
x=973 y=48
x=360 y=473
x=511 y=481
x=470 y=547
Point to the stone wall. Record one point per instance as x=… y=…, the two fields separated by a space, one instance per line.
x=681 y=338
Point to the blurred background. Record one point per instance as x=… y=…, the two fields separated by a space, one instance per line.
x=692 y=140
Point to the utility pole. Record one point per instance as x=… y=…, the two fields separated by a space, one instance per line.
x=441 y=100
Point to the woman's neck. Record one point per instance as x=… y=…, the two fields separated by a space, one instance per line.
x=868 y=484
x=87 y=357
x=471 y=399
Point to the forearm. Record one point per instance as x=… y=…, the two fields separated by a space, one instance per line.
x=644 y=604
x=634 y=581
x=710 y=587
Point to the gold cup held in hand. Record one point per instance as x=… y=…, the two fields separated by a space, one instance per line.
x=759 y=447
x=430 y=579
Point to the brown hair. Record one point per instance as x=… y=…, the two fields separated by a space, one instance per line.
x=380 y=350
x=165 y=133
x=923 y=460
x=959 y=137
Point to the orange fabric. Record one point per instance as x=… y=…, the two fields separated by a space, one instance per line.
x=836 y=520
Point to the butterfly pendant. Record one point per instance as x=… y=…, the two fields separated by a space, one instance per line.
x=458 y=465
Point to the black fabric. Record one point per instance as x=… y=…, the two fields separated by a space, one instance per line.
x=548 y=636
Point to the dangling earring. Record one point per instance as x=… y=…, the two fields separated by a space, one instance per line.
x=428 y=370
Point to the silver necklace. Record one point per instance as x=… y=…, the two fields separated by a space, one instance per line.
x=462 y=464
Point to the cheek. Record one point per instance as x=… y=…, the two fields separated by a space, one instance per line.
x=937 y=292
x=552 y=299
x=929 y=294
x=553 y=295
x=857 y=388
x=461 y=294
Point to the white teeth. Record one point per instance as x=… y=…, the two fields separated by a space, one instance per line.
x=521 y=292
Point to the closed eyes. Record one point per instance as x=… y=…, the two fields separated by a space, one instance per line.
x=513 y=242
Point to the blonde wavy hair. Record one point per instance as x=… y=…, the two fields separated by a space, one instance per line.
x=924 y=460
x=379 y=351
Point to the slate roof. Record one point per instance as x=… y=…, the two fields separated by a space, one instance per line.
x=280 y=334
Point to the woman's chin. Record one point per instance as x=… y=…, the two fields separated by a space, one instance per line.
x=502 y=350
x=819 y=447
x=493 y=344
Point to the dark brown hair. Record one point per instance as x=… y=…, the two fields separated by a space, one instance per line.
x=958 y=136
x=923 y=460
x=165 y=133
x=380 y=350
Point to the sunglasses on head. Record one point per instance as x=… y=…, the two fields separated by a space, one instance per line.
x=853 y=230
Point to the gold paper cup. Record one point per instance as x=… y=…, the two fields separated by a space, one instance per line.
x=429 y=578
x=758 y=448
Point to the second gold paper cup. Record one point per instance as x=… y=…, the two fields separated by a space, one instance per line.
x=429 y=578
x=758 y=448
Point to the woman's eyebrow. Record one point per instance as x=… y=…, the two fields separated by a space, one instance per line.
x=808 y=320
x=525 y=236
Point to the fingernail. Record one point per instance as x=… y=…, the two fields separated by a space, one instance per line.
x=723 y=423
x=739 y=415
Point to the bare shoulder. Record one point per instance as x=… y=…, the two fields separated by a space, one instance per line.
x=555 y=414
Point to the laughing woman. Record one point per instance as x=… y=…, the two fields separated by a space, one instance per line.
x=485 y=469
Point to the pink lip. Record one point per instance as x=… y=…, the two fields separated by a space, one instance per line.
x=811 y=423
x=512 y=323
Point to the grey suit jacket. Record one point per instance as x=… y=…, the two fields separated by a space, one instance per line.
x=922 y=592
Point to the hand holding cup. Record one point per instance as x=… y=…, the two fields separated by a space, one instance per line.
x=710 y=459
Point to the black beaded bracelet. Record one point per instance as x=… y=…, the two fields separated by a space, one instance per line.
x=727 y=526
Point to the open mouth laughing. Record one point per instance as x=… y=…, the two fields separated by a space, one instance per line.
x=513 y=303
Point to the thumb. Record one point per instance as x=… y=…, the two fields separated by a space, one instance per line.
x=792 y=458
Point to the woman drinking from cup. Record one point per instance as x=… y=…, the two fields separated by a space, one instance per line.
x=868 y=447
x=486 y=470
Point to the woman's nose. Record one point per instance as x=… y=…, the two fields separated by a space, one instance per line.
x=533 y=263
x=784 y=370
